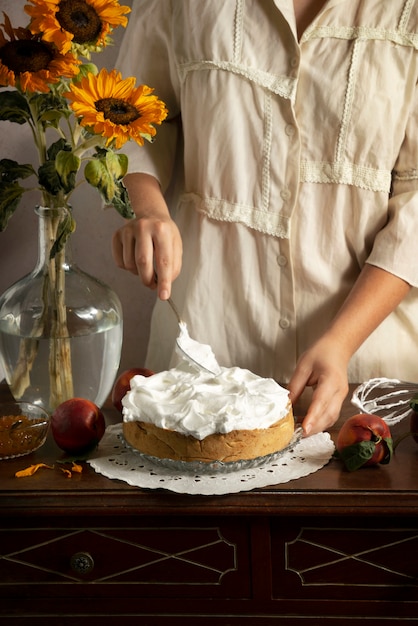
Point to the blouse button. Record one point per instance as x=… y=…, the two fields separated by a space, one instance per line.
x=285 y=194
x=284 y=323
x=281 y=260
x=290 y=130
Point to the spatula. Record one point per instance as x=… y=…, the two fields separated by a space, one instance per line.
x=197 y=354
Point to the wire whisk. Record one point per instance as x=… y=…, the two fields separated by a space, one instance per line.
x=387 y=397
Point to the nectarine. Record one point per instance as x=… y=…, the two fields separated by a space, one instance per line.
x=77 y=425
x=363 y=440
x=413 y=423
x=123 y=384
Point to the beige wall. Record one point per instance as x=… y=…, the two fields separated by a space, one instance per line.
x=92 y=241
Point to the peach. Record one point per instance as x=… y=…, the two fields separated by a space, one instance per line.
x=77 y=425
x=363 y=440
x=123 y=384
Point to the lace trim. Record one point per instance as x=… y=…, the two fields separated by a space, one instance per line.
x=362 y=33
x=265 y=222
x=267 y=144
x=277 y=224
x=239 y=18
x=406 y=14
x=406 y=175
x=284 y=86
x=348 y=103
x=347 y=174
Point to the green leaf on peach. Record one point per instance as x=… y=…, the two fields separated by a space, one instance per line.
x=414 y=403
x=356 y=455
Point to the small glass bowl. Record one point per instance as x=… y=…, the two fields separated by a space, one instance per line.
x=23 y=428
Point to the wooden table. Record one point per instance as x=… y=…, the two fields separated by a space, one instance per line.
x=334 y=548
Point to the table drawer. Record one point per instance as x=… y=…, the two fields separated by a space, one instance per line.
x=199 y=560
x=330 y=559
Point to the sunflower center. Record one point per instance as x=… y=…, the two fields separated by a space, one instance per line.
x=80 y=19
x=23 y=55
x=117 y=110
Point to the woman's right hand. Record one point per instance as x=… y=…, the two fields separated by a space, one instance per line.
x=151 y=242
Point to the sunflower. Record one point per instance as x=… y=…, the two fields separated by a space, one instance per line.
x=114 y=108
x=31 y=63
x=86 y=23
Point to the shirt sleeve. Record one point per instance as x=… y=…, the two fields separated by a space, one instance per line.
x=395 y=245
x=146 y=54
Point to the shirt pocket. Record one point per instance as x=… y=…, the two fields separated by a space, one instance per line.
x=355 y=111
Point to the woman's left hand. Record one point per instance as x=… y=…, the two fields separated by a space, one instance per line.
x=374 y=296
x=325 y=370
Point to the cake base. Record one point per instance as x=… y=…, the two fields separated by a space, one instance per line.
x=237 y=445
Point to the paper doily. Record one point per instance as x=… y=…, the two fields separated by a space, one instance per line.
x=116 y=461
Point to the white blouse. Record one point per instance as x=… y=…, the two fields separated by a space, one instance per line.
x=289 y=165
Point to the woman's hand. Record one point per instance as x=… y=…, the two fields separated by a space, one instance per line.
x=324 y=366
x=151 y=242
x=146 y=246
x=325 y=370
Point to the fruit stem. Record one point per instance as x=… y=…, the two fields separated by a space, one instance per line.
x=374 y=437
x=402 y=437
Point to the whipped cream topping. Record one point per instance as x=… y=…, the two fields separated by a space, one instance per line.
x=197 y=354
x=199 y=404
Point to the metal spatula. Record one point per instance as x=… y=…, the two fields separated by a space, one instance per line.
x=197 y=354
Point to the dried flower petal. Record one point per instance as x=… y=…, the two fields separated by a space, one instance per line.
x=29 y=471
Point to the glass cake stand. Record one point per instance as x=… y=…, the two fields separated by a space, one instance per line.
x=220 y=467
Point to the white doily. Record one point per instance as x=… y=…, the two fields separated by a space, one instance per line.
x=114 y=460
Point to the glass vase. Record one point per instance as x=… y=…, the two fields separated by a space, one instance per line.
x=60 y=328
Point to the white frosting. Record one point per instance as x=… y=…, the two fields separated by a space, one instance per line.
x=199 y=404
x=197 y=354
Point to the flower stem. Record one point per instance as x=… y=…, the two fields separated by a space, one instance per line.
x=51 y=322
x=60 y=370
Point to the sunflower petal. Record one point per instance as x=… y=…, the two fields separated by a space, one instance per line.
x=32 y=469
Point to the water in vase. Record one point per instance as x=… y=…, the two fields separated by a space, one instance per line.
x=94 y=359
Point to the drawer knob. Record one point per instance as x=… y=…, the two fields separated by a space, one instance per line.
x=82 y=563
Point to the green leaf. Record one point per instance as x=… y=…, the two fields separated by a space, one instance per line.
x=56 y=147
x=117 y=164
x=49 y=109
x=414 y=403
x=356 y=455
x=105 y=172
x=58 y=173
x=121 y=201
x=84 y=70
x=389 y=450
x=13 y=107
x=97 y=174
x=66 y=228
x=10 y=195
x=11 y=171
x=67 y=165
x=49 y=179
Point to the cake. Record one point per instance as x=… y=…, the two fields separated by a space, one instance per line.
x=194 y=416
